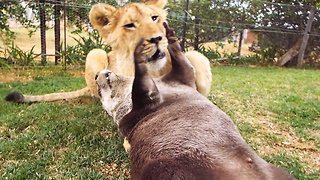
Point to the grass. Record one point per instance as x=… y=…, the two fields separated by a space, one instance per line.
x=276 y=110
x=58 y=140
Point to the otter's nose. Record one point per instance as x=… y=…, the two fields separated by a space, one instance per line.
x=155 y=40
x=96 y=76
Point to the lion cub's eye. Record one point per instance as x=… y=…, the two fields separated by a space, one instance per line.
x=154 y=18
x=129 y=25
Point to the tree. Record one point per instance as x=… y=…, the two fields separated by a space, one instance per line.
x=208 y=20
x=281 y=23
x=6 y=11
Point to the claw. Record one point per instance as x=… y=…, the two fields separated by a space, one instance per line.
x=169 y=34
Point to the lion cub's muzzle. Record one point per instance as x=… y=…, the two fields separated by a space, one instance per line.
x=156 y=56
x=155 y=48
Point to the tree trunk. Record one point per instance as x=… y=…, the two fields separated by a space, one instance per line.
x=196 y=31
x=43 y=32
x=289 y=54
x=57 y=8
x=185 y=26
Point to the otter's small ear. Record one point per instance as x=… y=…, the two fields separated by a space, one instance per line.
x=158 y=3
x=100 y=15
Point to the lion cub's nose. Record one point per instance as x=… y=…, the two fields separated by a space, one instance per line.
x=155 y=40
x=96 y=76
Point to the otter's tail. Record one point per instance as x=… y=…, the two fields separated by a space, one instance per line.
x=18 y=97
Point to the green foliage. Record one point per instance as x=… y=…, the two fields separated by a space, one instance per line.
x=210 y=53
x=283 y=25
x=6 y=34
x=201 y=27
x=231 y=56
x=253 y=59
x=278 y=23
x=14 y=56
x=77 y=54
x=267 y=54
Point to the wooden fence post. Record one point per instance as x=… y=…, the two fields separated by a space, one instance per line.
x=305 y=37
x=240 y=43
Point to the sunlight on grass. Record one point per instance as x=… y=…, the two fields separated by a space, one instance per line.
x=274 y=109
x=277 y=111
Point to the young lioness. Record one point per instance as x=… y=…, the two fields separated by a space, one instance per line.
x=175 y=132
x=122 y=28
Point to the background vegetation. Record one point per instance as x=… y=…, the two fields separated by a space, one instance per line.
x=278 y=24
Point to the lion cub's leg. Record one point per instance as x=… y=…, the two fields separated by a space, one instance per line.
x=203 y=71
x=97 y=60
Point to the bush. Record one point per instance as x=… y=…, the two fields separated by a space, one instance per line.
x=15 y=56
x=253 y=59
x=211 y=54
x=77 y=54
x=267 y=55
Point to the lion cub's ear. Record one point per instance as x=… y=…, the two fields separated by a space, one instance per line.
x=100 y=15
x=158 y=3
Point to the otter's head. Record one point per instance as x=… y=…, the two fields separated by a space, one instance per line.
x=115 y=93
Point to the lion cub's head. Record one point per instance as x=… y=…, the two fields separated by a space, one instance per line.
x=122 y=28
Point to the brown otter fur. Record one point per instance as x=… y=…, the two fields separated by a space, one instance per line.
x=176 y=133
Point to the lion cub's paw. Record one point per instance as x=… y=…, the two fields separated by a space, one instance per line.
x=126 y=145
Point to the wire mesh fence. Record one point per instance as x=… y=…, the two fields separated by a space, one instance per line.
x=59 y=31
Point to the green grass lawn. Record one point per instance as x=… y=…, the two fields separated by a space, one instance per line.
x=276 y=110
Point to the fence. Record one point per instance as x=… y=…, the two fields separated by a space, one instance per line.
x=64 y=26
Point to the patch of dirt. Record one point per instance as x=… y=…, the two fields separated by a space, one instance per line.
x=11 y=77
x=77 y=71
x=286 y=139
x=289 y=141
x=111 y=170
x=83 y=100
x=229 y=47
x=315 y=132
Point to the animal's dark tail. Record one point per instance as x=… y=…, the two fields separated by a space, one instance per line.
x=14 y=97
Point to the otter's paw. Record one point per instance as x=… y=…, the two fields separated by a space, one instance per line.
x=139 y=57
x=126 y=145
x=172 y=40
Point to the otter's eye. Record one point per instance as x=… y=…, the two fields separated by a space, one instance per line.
x=154 y=18
x=129 y=25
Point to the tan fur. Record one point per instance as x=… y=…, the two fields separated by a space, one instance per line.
x=110 y=22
